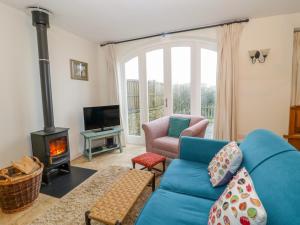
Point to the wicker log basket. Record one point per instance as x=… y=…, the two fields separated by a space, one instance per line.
x=18 y=190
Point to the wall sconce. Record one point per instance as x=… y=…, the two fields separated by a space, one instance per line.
x=259 y=55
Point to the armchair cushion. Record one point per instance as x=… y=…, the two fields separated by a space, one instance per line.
x=167 y=143
x=177 y=125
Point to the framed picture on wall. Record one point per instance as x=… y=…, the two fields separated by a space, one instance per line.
x=79 y=70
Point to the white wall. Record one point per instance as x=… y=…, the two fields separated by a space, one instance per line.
x=20 y=94
x=264 y=89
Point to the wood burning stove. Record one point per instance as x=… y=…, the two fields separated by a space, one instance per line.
x=53 y=150
x=50 y=145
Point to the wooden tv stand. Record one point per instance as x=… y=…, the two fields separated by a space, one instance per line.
x=90 y=136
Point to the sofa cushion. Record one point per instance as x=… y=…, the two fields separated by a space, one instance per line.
x=190 y=178
x=277 y=182
x=167 y=143
x=177 y=125
x=260 y=145
x=239 y=203
x=169 y=208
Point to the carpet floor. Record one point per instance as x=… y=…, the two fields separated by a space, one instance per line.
x=70 y=209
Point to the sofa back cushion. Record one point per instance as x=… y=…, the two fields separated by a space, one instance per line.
x=261 y=145
x=277 y=182
x=274 y=166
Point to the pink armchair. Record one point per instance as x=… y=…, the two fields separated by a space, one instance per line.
x=158 y=141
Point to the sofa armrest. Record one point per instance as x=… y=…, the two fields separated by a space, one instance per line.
x=196 y=130
x=199 y=149
x=155 y=129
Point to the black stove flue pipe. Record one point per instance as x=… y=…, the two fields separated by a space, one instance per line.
x=40 y=19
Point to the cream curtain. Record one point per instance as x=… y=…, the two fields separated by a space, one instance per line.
x=114 y=81
x=295 y=100
x=228 y=38
x=112 y=74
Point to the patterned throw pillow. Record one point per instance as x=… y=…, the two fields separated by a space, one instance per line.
x=225 y=163
x=239 y=204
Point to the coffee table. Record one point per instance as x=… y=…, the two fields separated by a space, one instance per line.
x=115 y=204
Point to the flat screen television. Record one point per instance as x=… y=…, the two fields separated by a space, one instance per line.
x=101 y=117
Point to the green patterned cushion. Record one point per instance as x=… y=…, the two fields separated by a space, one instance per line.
x=177 y=125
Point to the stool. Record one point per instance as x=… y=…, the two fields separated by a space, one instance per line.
x=149 y=160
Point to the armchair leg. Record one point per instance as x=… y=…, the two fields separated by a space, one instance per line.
x=87 y=219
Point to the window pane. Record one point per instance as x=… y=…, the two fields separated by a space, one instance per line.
x=155 y=78
x=133 y=96
x=208 y=87
x=181 y=79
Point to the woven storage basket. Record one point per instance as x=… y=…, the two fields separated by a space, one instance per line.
x=18 y=190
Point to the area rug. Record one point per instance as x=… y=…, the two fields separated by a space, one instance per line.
x=70 y=209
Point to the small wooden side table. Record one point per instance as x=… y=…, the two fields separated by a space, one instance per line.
x=90 y=136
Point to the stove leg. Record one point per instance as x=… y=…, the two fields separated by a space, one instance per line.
x=68 y=165
x=46 y=178
x=65 y=168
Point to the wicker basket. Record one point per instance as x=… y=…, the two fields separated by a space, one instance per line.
x=17 y=190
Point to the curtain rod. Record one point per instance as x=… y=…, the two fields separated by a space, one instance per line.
x=176 y=32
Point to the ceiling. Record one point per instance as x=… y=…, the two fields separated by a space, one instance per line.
x=111 y=20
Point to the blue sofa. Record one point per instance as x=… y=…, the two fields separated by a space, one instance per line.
x=185 y=194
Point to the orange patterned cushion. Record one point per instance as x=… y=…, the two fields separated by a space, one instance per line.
x=239 y=204
x=148 y=159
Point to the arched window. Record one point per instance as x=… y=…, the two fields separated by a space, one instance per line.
x=173 y=77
